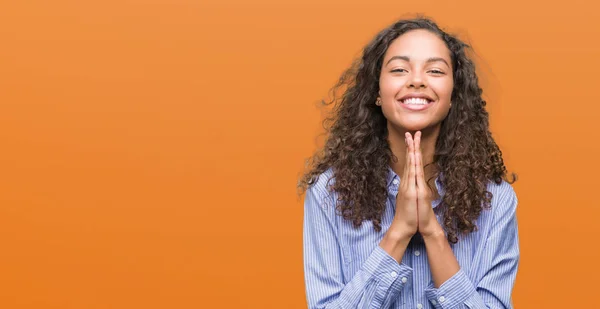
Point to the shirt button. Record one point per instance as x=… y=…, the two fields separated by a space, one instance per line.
x=433 y=301
x=419 y=306
x=404 y=279
x=417 y=253
x=395 y=181
x=394 y=274
x=442 y=299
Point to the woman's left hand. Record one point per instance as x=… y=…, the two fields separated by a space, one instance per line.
x=427 y=221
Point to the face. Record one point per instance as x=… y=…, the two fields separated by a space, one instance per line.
x=416 y=81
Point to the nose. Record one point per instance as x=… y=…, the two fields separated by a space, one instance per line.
x=416 y=81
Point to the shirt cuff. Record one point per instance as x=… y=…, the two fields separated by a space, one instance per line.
x=389 y=275
x=452 y=293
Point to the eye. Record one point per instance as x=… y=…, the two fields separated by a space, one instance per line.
x=436 y=72
x=399 y=70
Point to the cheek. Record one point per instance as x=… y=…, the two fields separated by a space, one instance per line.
x=444 y=90
x=390 y=85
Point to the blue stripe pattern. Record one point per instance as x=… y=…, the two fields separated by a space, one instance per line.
x=344 y=267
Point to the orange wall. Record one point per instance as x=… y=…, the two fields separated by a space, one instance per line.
x=150 y=149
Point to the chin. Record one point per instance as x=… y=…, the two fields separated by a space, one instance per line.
x=412 y=126
x=413 y=123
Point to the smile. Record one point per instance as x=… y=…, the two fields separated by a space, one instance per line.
x=416 y=104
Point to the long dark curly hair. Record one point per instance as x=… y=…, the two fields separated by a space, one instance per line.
x=358 y=151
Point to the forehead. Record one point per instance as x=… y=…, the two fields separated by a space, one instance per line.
x=419 y=45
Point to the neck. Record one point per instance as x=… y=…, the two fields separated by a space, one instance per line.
x=398 y=146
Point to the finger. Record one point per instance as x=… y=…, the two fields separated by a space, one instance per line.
x=407 y=159
x=412 y=171
x=419 y=161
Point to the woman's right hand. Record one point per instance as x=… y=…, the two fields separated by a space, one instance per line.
x=405 y=222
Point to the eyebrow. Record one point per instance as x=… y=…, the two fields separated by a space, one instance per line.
x=407 y=59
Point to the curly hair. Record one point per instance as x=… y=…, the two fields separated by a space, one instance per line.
x=358 y=151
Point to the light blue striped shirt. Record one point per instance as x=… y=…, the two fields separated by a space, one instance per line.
x=346 y=268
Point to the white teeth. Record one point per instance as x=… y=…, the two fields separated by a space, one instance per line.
x=417 y=101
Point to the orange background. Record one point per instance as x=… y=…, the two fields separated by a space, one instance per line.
x=150 y=149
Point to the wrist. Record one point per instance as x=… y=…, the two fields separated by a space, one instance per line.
x=398 y=235
x=395 y=243
x=432 y=231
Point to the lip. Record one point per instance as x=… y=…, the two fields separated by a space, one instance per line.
x=415 y=107
x=416 y=95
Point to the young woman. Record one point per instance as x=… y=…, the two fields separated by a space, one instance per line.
x=408 y=204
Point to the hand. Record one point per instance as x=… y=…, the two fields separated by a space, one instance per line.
x=427 y=222
x=405 y=223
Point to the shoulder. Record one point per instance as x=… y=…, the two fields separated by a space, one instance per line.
x=501 y=192
x=504 y=198
x=319 y=193
x=322 y=184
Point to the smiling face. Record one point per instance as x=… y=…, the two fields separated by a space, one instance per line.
x=416 y=81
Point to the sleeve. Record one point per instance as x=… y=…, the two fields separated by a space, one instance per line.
x=374 y=286
x=499 y=268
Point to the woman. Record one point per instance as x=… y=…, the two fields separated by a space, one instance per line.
x=408 y=204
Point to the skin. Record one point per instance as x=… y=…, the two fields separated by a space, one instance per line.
x=400 y=77
x=424 y=68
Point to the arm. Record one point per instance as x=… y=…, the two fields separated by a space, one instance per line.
x=374 y=286
x=499 y=269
